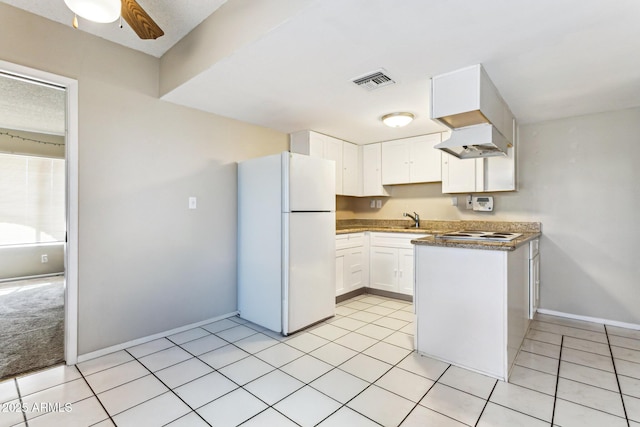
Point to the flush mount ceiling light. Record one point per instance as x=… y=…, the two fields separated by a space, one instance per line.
x=102 y=11
x=397 y=120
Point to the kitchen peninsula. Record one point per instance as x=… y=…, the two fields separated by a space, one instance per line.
x=474 y=298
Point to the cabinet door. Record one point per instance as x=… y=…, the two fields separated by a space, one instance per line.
x=425 y=164
x=333 y=151
x=456 y=91
x=340 y=270
x=350 y=170
x=354 y=273
x=460 y=175
x=395 y=162
x=405 y=274
x=500 y=172
x=384 y=269
x=372 y=170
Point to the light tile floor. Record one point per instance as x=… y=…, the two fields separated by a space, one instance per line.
x=357 y=369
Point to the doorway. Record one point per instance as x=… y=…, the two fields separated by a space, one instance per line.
x=38 y=227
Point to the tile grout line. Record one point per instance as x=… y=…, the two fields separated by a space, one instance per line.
x=223 y=375
x=342 y=405
x=96 y=396
x=48 y=388
x=24 y=414
x=615 y=372
x=555 y=394
x=427 y=392
x=218 y=371
x=162 y=382
x=486 y=403
x=333 y=367
x=371 y=383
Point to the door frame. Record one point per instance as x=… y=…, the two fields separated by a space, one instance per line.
x=71 y=164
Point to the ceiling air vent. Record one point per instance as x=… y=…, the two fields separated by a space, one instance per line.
x=374 y=80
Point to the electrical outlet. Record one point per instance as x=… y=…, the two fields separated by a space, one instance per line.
x=193 y=203
x=454 y=201
x=44 y=258
x=372 y=205
x=378 y=204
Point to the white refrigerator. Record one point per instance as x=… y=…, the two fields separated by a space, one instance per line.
x=286 y=241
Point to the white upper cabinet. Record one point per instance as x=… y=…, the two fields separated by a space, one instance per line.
x=323 y=146
x=411 y=160
x=351 y=176
x=372 y=170
x=479 y=175
x=467 y=97
x=464 y=98
x=461 y=175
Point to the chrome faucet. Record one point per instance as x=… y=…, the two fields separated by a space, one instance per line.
x=414 y=217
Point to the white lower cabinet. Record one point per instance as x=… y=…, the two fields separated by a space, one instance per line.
x=381 y=261
x=392 y=270
x=352 y=266
x=384 y=269
x=391 y=262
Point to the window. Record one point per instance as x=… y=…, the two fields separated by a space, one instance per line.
x=32 y=199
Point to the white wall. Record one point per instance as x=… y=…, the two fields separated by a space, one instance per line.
x=580 y=178
x=18 y=262
x=146 y=263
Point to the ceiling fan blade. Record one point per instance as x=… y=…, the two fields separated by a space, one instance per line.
x=140 y=21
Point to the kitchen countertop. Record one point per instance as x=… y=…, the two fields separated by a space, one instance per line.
x=511 y=245
x=529 y=230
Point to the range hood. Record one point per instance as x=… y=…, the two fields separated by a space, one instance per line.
x=472 y=142
x=467 y=102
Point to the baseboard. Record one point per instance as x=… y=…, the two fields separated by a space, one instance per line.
x=372 y=291
x=389 y=294
x=37 y=276
x=118 y=347
x=590 y=319
x=350 y=295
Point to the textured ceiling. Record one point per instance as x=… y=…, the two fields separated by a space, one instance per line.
x=548 y=58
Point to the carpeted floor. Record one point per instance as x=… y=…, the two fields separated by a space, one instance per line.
x=31 y=325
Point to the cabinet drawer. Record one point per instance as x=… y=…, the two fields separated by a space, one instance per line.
x=350 y=240
x=394 y=240
x=534 y=248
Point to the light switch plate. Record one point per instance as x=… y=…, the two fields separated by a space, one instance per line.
x=193 y=203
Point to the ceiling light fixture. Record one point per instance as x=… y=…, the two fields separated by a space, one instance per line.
x=102 y=11
x=397 y=120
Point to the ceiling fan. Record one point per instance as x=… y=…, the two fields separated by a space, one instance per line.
x=105 y=11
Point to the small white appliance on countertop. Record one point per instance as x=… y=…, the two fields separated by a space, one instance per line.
x=286 y=241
